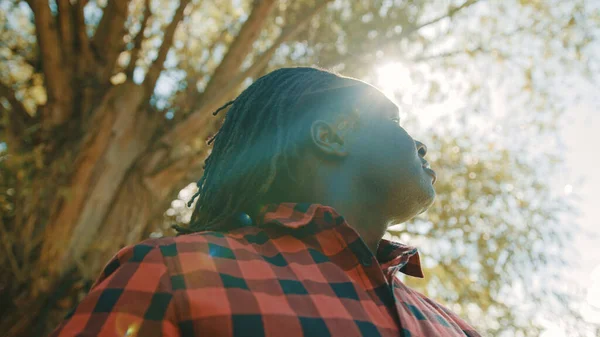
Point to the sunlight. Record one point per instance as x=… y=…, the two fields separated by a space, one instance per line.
x=593 y=296
x=553 y=330
x=394 y=79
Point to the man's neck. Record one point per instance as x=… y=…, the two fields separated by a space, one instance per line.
x=360 y=210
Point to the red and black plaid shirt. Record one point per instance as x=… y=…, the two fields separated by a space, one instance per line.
x=300 y=271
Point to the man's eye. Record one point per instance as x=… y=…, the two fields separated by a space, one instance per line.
x=396 y=120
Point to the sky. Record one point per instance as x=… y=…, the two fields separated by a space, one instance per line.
x=582 y=138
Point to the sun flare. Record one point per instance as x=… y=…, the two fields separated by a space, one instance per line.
x=393 y=77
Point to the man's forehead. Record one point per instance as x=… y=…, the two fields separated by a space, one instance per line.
x=357 y=100
x=378 y=104
x=391 y=110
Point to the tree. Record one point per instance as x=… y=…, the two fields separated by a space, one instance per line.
x=106 y=109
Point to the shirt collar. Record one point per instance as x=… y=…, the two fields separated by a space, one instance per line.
x=391 y=255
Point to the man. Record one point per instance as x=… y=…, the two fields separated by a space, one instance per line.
x=306 y=173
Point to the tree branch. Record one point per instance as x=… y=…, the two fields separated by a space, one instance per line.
x=65 y=21
x=187 y=99
x=288 y=33
x=451 y=12
x=350 y=58
x=137 y=41
x=157 y=65
x=211 y=48
x=18 y=118
x=8 y=248
x=58 y=87
x=424 y=58
x=470 y=51
x=223 y=74
x=83 y=41
x=262 y=60
x=108 y=43
x=16 y=105
x=240 y=47
x=35 y=64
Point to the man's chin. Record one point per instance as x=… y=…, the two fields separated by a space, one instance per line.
x=428 y=200
x=404 y=216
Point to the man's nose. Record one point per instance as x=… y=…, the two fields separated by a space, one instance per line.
x=421 y=148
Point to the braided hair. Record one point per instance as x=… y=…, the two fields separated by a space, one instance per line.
x=259 y=139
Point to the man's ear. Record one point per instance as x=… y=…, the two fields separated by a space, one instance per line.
x=327 y=139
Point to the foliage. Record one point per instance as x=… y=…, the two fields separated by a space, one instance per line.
x=105 y=109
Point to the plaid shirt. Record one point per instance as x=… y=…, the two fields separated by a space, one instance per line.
x=301 y=270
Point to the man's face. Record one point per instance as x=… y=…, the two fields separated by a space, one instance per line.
x=388 y=162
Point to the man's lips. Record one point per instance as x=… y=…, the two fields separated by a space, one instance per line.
x=430 y=172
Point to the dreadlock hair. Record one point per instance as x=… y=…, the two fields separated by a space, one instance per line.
x=257 y=142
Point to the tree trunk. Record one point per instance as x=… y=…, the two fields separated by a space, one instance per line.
x=118 y=133
x=119 y=188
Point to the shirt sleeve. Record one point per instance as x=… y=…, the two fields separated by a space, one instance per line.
x=132 y=297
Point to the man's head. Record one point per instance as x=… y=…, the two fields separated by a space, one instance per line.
x=294 y=132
